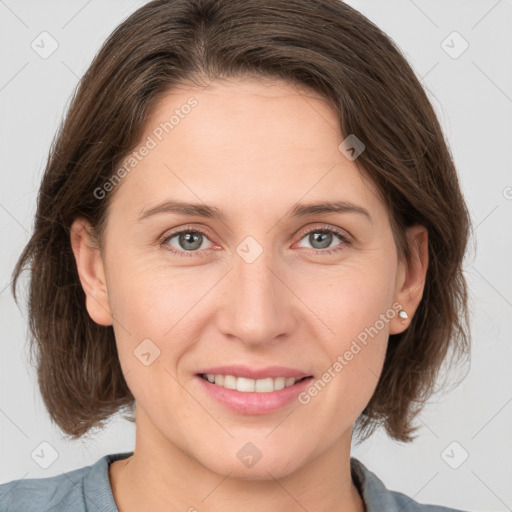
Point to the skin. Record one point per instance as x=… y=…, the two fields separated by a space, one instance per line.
x=253 y=148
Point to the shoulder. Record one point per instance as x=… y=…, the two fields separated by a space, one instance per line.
x=35 y=494
x=81 y=490
x=377 y=497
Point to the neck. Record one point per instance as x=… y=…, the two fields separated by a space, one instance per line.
x=161 y=477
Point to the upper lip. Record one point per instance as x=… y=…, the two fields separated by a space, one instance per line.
x=255 y=373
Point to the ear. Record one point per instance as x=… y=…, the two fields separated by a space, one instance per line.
x=91 y=272
x=410 y=281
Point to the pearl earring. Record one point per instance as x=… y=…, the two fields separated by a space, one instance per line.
x=403 y=314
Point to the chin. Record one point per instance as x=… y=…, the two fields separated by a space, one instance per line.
x=250 y=463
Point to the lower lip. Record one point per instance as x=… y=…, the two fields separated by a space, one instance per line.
x=252 y=402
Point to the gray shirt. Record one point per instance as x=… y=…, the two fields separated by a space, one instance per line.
x=88 y=489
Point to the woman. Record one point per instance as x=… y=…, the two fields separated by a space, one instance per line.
x=250 y=233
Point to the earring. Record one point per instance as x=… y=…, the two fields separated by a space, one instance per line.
x=403 y=314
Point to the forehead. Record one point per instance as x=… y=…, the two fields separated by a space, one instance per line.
x=244 y=142
x=247 y=116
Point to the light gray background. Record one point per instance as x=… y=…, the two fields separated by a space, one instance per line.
x=472 y=95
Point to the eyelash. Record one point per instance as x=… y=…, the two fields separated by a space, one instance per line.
x=322 y=229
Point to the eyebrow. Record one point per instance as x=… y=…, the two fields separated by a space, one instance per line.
x=212 y=212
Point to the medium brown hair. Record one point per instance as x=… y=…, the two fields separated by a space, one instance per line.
x=324 y=45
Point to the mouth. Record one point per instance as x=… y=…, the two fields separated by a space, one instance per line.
x=243 y=395
x=247 y=385
x=253 y=389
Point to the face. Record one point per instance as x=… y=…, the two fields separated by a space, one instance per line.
x=260 y=282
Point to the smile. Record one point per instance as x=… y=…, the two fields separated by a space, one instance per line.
x=245 y=385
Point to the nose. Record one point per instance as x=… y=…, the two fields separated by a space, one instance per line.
x=257 y=305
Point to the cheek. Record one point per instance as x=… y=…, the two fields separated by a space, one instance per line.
x=149 y=309
x=149 y=298
x=355 y=308
x=351 y=298
x=152 y=312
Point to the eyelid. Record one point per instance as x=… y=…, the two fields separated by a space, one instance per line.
x=342 y=233
x=187 y=229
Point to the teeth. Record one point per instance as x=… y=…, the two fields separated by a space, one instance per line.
x=250 y=385
x=280 y=383
x=229 y=382
x=246 y=385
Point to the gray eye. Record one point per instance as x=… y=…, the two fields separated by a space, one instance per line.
x=322 y=238
x=187 y=240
